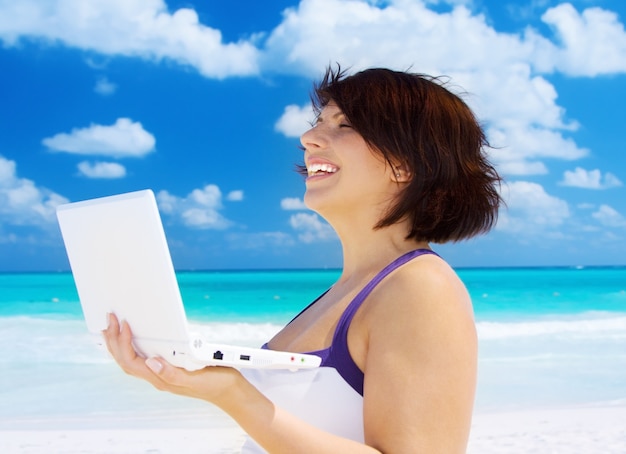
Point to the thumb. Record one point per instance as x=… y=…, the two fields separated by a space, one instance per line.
x=154 y=365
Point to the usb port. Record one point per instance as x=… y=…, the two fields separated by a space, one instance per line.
x=244 y=357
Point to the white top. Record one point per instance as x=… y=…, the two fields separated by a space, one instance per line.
x=320 y=397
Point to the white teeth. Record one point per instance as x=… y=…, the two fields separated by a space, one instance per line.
x=326 y=168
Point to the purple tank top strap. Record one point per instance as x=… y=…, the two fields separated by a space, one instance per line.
x=339 y=354
x=358 y=300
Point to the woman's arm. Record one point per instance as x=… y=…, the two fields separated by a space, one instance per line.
x=420 y=368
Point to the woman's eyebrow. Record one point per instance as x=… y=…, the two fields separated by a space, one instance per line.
x=320 y=119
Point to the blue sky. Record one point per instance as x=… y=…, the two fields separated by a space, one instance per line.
x=203 y=102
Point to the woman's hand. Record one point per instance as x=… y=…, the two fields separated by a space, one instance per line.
x=213 y=384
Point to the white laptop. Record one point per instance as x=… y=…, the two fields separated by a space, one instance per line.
x=122 y=265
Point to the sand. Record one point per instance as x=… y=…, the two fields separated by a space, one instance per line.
x=573 y=430
x=587 y=430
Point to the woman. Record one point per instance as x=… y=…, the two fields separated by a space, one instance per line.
x=393 y=162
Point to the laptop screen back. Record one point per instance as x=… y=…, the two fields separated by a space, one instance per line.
x=121 y=264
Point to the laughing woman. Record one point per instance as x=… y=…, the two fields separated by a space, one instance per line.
x=394 y=162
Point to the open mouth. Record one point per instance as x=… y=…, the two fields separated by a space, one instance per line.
x=321 y=169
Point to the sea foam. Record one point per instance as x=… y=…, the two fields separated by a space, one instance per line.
x=589 y=325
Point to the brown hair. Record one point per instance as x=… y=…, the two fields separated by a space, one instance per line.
x=414 y=121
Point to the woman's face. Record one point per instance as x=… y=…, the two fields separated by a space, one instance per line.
x=343 y=172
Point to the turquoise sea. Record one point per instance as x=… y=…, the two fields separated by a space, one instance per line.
x=548 y=337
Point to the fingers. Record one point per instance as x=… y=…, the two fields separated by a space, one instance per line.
x=118 y=338
x=113 y=328
x=210 y=383
x=159 y=377
x=154 y=365
x=111 y=333
x=170 y=377
x=166 y=377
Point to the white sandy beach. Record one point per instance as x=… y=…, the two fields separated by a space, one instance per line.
x=575 y=430
x=114 y=441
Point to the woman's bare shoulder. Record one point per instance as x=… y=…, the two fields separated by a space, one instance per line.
x=424 y=286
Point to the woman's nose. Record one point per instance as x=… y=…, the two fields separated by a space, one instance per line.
x=312 y=138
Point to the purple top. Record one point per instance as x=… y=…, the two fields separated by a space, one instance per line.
x=337 y=355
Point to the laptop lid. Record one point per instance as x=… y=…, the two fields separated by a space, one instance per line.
x=121 y=264
x=118 y=254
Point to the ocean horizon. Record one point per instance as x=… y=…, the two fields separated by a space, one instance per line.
x=548 y=337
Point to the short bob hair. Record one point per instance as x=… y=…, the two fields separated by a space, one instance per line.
x=414 y=122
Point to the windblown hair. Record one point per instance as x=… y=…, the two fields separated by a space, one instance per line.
x=413 y=121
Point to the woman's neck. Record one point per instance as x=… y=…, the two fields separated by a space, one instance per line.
x=366 y=250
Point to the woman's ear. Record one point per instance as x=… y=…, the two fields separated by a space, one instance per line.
x=401 y=174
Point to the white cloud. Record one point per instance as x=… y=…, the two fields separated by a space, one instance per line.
x=22 y=202
x=260 y=240
x=107 y=170
x=527 y=10
x=311 y=228
x=609 y=217
x=519 y=149
x=295 y=120
x=589 y=179
x=507 y=166
x=123 y=139
x=591 y=43
x=97 y=62
x=200 y=209
x=535 y=98
x=203 y=218
x=503 y=72
x=235 y=196
x=137 y=28
x=361 y=34
x=530 y=210
x=397 y=33
x=292 y=203
x=105 y=87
